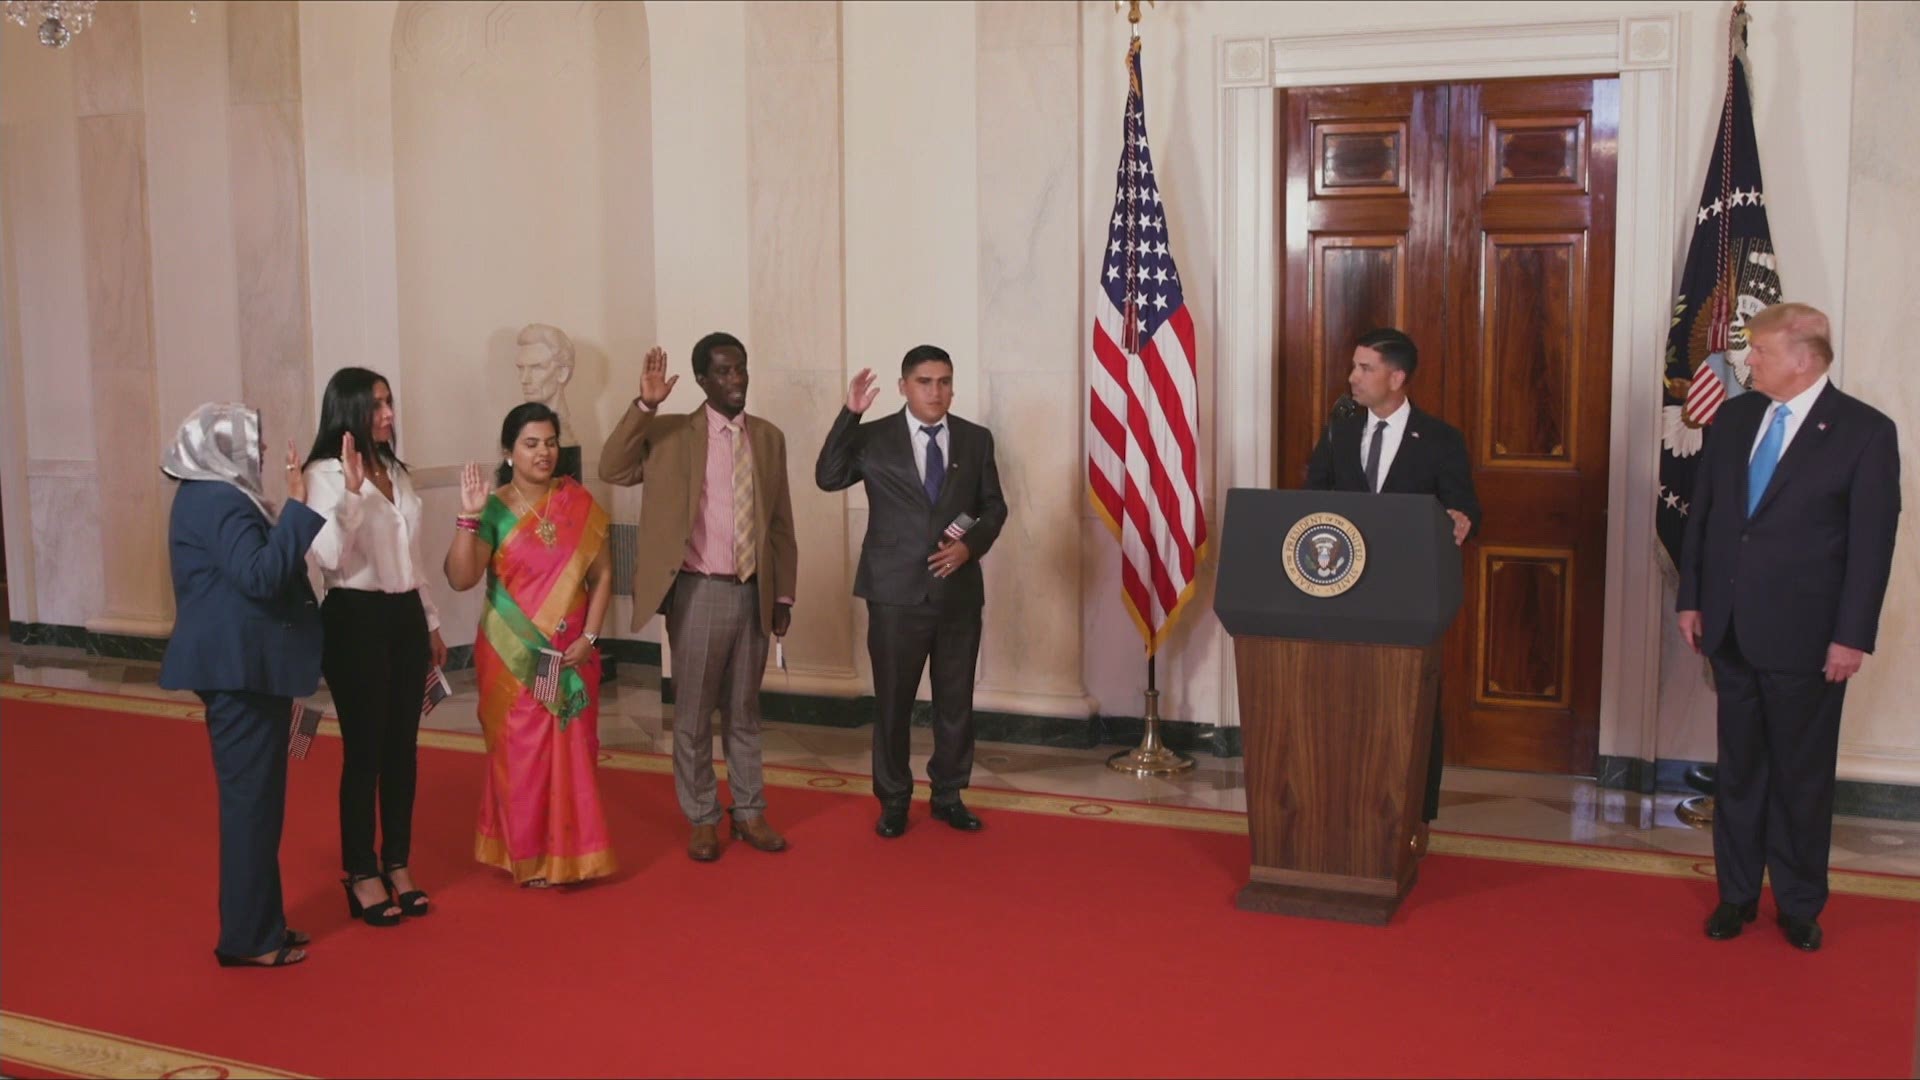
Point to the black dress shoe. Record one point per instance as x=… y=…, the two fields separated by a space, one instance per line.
x=1802 y=934
x=1728 y=920
x=957 y=815
x=893 y=821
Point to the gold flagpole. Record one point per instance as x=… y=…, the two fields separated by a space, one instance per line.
x=1697 y=810
x=1151 y=757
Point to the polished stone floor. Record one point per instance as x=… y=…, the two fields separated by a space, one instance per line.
x=1523 y=806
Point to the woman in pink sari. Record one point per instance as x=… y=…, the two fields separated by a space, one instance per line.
x=541 y=544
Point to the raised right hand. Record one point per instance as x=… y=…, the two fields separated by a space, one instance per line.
x=654 y=384
x=473 y=488
x=862 y=391
x=296 y=480
x=352 y=464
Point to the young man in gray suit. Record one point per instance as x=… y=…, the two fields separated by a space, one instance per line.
x=934 y=509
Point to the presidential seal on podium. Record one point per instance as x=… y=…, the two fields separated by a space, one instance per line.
x=1325 y=554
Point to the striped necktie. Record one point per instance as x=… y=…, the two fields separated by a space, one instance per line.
x=746 y=547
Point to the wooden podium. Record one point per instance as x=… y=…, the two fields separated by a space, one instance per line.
x=1338 y=669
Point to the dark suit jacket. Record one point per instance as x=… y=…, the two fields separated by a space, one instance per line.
x=244 y=614
x=903 y=528
x=1810 y=567
x=1432 y=460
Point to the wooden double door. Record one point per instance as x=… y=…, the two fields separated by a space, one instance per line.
x=1479 y=218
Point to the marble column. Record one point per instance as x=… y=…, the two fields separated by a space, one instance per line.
x=267 y=174
x=1031 y=348
x=50 y=484
x=795 y=331
x=1878 y=740
x=110 y=99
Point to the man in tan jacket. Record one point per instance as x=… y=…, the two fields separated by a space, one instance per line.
x=718 y=558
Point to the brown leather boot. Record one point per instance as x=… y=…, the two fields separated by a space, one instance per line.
x=704 y=844
x=757 y=833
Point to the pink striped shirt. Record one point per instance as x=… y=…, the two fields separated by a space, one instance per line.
x=710 y=544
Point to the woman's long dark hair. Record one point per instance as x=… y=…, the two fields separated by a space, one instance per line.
x=346 y=407
x=517 y=419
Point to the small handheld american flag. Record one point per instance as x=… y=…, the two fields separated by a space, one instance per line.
x=306 y=723
x=546 y=679
x=960 y=526
x=438 y=690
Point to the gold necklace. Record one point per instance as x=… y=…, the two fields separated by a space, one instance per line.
x=544 y=530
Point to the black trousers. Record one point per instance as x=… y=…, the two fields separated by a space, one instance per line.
x=1773 y=807
x=901 y=640
x=249 y=736
x=375 y=659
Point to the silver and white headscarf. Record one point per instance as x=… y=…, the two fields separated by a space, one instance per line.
x=220 y=441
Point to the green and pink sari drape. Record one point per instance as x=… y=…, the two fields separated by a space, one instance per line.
x=540 y=814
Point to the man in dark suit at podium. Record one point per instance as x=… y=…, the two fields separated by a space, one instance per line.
x=934 y=509
x=1788 y=548
x=1377 y=441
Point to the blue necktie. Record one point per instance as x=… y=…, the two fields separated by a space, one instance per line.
x=1760 y=469
x=936 y=463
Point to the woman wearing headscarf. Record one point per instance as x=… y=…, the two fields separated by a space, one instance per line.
x=246 y=639
x=382 y=634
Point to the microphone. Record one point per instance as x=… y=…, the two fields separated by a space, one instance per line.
x=1342 y=409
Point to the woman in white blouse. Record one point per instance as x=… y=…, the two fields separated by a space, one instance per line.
x=382 y=633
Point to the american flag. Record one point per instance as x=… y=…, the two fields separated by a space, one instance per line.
x=300 y=732
x=438 y=690
x=1142 y=453
x=546 y=679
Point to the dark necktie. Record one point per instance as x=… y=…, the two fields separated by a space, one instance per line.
x=936 y=462
x=1373 y=456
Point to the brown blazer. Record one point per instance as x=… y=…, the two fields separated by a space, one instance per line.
x=668 y=453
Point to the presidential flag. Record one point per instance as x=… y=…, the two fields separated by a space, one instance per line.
x=1730 y=275
x=1142 y=439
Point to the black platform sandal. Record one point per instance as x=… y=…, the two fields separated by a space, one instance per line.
x=387 y=914
x=286 y=957
x=413 y=902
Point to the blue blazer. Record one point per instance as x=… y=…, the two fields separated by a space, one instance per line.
x=245 y=617
x=1811 y=565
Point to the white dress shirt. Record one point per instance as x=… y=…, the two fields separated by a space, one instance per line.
x=920 y=443
x=368 y=543
x=1390 y=442
x=1797 y=408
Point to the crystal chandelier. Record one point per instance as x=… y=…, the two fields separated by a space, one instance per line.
x=59 y=20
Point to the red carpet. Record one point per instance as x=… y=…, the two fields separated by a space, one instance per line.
x=1041 y=946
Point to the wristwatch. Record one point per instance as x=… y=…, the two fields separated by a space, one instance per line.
x=592 y=639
